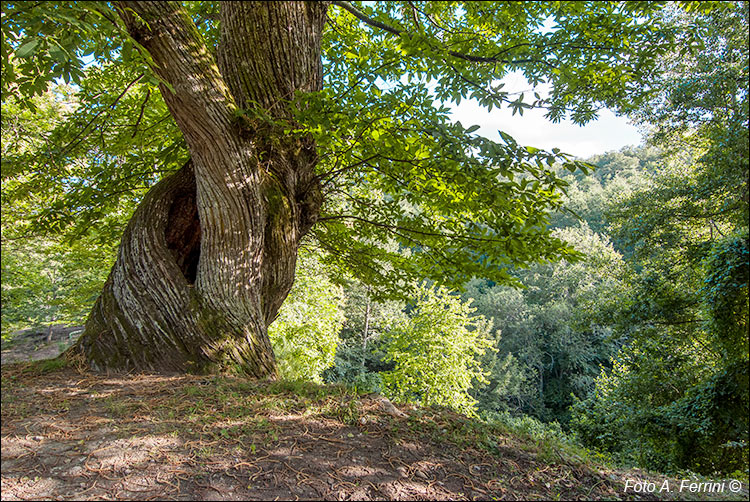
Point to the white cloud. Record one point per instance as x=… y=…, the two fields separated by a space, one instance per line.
x=608 y=132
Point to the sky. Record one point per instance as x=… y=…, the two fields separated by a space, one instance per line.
x=609 y=132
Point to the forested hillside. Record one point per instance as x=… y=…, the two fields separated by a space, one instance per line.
x=354 y=242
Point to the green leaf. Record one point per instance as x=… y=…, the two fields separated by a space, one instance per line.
x=28 y=48
x=507 y=137
x=127 y=49
x=58 y=53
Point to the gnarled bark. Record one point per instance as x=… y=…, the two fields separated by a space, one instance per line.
x=209 y=256
x=150 y=315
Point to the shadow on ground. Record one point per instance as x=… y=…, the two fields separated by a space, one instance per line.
x=70 y=435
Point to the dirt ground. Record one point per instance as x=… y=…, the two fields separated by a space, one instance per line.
x=38 y=344
x=69 y=435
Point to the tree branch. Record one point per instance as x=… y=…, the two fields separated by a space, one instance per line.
x=140 y=115
x=425 y=248
x=192 y=86
x=78 y=138
x=362 y=17
x=395 y=31
x=406 y=229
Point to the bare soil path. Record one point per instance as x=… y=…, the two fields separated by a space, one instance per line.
x=38 y=344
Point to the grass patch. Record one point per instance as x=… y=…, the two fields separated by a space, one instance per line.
x=45 y=366
x=307 y=390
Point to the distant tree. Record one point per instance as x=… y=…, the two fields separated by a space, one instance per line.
x=360 y=356
x=555 y=333
x=305 y=334
x=47 y=282
x=46 y=279
x=617 y=174
x=436 y=352
x=699 y=112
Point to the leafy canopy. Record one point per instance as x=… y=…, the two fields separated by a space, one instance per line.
x=436 y=352
x=409 y=192
x=305 y=333
x=677 y=395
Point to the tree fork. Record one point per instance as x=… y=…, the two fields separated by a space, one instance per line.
x=210 y=254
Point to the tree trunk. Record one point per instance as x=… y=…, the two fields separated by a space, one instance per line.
x=209 y=256
x=365 y=333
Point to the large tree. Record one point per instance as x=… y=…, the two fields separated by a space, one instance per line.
x=271 y=122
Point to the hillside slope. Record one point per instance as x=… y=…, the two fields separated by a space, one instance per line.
x=72 y=435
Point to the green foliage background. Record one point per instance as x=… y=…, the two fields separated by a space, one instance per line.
x=306 y=332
